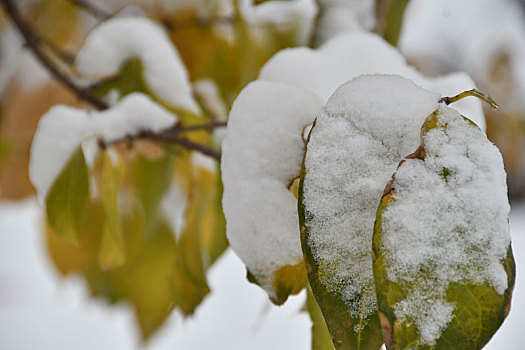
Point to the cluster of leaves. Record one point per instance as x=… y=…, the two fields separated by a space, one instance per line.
x=144 y=222
x=479 y=309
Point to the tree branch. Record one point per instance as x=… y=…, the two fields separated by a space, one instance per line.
x=178 y=128
x=32 y=43
x=169 y=137
x=181 y=141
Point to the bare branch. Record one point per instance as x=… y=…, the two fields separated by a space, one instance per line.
x=181 y=141
x=92 y=9
x=167 y=137
x=33 y=44
x=179 y=128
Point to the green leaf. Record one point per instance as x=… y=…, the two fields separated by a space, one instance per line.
x=347 y=331
x=321 y=339
x=147 y=280
x=129 y=79
x=433 y=309
x=152 y=179
x=212 y=223
x=287 y=280
x=68 y=199
x=190 y=254
x=112 y=253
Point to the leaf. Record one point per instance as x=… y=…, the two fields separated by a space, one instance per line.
x=321 y=339
x=112 y=253
x=440 y=273
x=130 y=79
x=69 y=258
x=147 y=280
x=211 y=221
x=152 y=179
x=347 y=331
x=287 y=280
x=68 y=199
x=190 y=254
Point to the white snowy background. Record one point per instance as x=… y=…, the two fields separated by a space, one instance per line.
x=39 y=310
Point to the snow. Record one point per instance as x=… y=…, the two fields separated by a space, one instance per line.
x=261 y=155
x=134 y=113
x=208 y=95
x=465 y=35
x=347 y=56
x=261 y=152
x=284 y=14
x=59 y=314
x=461 y=231
x=368 y=125
x=18 y=64
x=62 y=129
x=341 y=16
x=114 y=41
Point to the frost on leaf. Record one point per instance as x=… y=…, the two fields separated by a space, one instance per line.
x=118 y=40
x=443 y=267
x=261 y=158
x=363 y=131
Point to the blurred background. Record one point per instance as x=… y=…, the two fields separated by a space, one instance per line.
x=48 y=303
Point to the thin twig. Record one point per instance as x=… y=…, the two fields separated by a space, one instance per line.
x=165 y=137
x=33 y=44
x=184 y=142
x=179 y=128
x=92 y=9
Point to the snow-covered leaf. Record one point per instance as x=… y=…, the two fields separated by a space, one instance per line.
x=120 y=39
x=60 y=132
x=261 y=157
x=443 y=264
x=366 y=127
x=63 y=129
x=347 y=56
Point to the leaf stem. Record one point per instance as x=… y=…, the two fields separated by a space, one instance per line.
x=448 y=100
